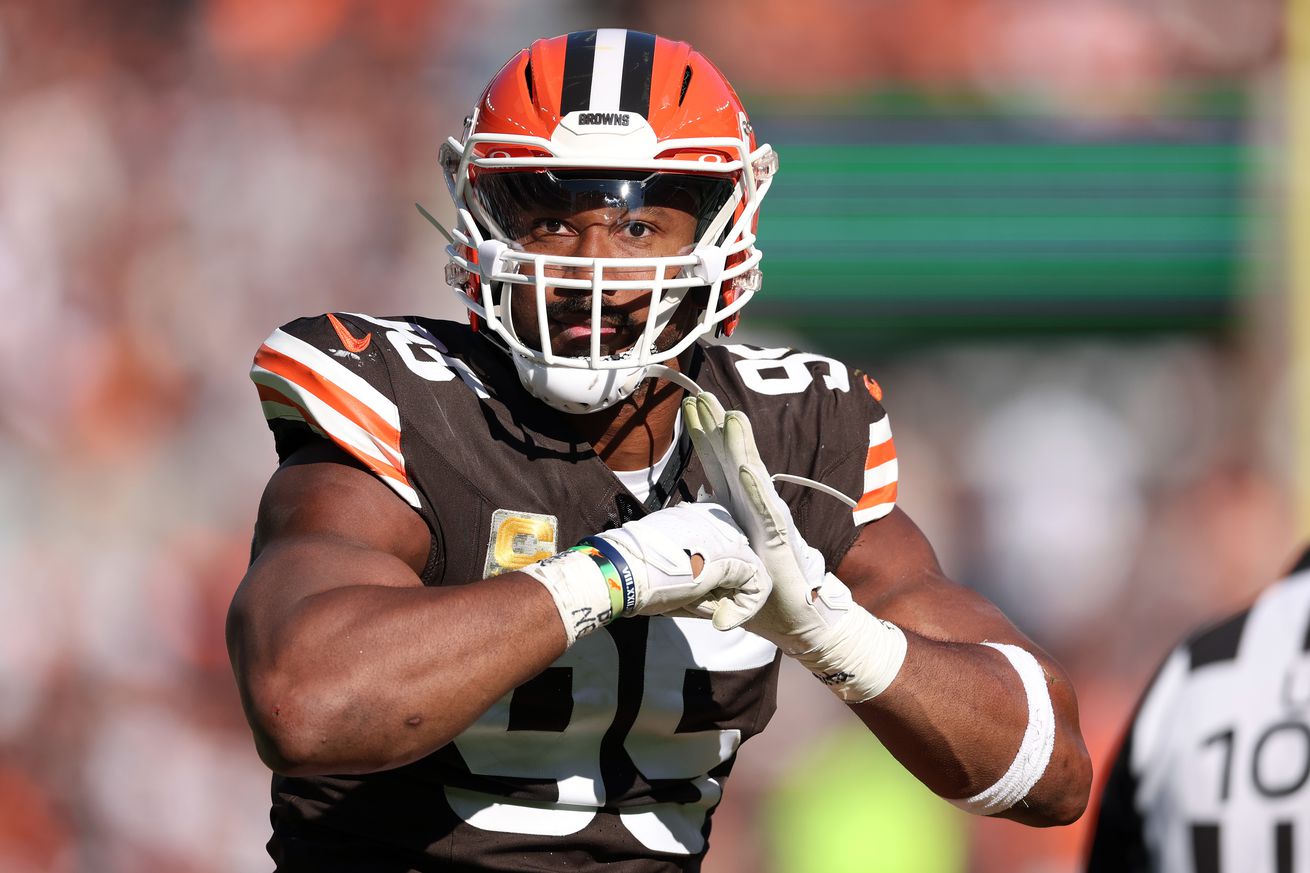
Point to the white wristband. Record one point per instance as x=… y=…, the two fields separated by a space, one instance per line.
x=861 y=658
x=1035 y=748
x=580 y=590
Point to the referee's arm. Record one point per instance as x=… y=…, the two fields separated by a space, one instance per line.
x=1118 y=844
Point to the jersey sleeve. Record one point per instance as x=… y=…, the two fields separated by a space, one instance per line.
x=880 y=472
x=324 y=377
x=859 y=460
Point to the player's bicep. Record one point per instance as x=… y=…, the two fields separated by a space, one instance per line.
x=893 y=572
x=324 y=523
x=321 y=493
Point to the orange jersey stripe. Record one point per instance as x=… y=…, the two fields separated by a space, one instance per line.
x=885 y=494
x=880 y=454
x=343 y=402
x=382 y=468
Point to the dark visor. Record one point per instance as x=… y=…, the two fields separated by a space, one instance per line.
x=516 y=200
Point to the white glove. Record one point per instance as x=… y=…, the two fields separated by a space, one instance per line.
x=644 y=568
x=810 y=614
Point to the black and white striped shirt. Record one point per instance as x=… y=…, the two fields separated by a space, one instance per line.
x=1214 y=773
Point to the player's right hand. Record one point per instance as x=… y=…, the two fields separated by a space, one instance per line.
x=645 y=567
x=659 y=549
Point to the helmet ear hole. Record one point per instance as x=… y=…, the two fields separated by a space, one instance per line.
x=686 y=81
x=527 y=75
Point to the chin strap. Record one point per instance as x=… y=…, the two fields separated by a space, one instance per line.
x=817 y=486
x=677 y=377
x=682 y=380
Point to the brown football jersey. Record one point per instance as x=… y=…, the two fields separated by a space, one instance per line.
x=616 y=755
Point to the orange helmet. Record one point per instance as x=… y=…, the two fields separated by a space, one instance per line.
x=632 y=119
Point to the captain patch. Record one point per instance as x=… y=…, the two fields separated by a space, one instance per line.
x=517 y=540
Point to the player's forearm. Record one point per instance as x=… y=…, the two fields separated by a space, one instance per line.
x=367 y=678
x=959 y=710
x=955 y=717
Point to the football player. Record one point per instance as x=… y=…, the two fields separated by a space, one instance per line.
x=521 y=586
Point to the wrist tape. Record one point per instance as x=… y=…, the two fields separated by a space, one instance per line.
x=861 y=657
x=1035 y=748
x=592 y=584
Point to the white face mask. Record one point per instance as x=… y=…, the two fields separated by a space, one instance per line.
x=496 y=258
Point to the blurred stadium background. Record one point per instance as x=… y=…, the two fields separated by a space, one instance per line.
x=1056 y=231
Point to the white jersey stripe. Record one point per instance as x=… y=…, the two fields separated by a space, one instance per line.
x=883 y=474
x=872 y=513
x=607 y=70
x=880 y=431
x=392 y=324
x=333 y=371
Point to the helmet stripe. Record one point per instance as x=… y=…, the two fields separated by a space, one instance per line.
x=579 y=59
x=638 y=62
x=607 y=74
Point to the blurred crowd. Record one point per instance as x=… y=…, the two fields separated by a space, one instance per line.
x=178 y=178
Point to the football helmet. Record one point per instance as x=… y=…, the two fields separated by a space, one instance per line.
x=614 y=121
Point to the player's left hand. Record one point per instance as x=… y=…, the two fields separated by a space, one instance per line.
x=810 y=613
x=725 y=444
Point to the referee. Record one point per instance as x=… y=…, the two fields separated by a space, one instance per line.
x=1214 y=773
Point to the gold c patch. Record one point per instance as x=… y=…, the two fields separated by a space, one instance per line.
x=518 y=539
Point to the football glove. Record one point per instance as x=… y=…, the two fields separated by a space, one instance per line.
x=644 y=567
x=810 y=614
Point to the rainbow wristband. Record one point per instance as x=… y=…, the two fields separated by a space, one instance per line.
x=614 y=567
x=609 y=573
